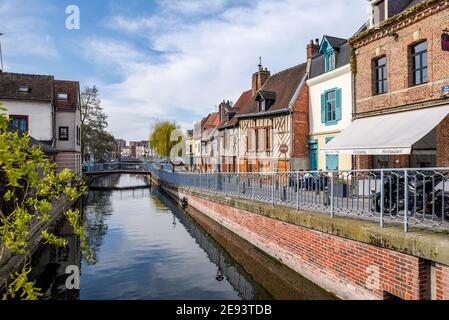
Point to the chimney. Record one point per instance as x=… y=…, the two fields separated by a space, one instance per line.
x=259 y=78
x=313 y=48
x=222 y=108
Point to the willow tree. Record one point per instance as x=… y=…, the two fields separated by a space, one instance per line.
x=160 y=138
x=29 y=186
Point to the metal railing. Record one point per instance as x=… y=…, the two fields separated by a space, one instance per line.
x=412 y=197
x=137 y=166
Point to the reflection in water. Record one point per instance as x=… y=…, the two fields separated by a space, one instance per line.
x=227 y=268
x=50 y=265
x=120 y=181
x=145 y=248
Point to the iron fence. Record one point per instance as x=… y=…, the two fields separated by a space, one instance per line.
x=115 y=166
x=412 y=197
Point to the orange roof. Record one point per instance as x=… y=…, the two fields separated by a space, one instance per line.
x=212 y=121
x=244 y=100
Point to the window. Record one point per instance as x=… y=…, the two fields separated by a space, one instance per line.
x=445 y=42
x=63 y=133
x=331 y=159
x=379 y=12
x=78 y=135
x=261 y=105
x=329 y=60
x=24 y=89
x=251 y=140
x=380 y=72
x=331 y=107
x=419 y=63
x=261 y=140
x=381 y=161
x=63 y=96
x=19 y=122
x=268 y=139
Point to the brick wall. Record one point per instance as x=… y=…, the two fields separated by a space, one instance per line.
x=68 y=160
x=300 y=126
x=442 y=140
x=347 y=268
x=397 y=52
x=363 y=162
x=441 y=282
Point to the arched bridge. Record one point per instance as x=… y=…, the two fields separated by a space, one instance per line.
x=117 y=167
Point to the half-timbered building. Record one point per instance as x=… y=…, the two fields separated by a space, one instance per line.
x=229 y=133
x=266 y=123
x=209 y=144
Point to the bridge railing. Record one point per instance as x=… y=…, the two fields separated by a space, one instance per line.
x=411 y=197
x=116 y=166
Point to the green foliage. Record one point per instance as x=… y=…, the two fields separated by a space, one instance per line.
x=73 y=216
x=50 y=238
x=20 y=287
x=29 y=185
x=160 y=138
x=94 y=138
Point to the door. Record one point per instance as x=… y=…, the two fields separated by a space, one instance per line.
x=313 y=155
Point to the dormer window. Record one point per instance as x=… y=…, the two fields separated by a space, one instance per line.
x=379 y=12
x=329 y=58
x=265 y=100
x=24 y=89
x=329 y=53
x=63 y=96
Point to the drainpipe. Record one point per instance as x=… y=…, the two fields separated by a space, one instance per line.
x=53 y=115
x=353 y=95
x=354 y=111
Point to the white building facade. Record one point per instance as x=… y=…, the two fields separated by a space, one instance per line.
x=331 y=101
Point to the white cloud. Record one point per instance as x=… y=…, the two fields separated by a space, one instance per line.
x=111 y=52
x=192 y=7
x=205 y=59
x=24 y=33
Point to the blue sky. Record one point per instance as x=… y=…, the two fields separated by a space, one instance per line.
x=167 y=59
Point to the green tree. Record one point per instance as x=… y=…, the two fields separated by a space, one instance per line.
x=29 y=185
x=160 y=138
x=95 y=139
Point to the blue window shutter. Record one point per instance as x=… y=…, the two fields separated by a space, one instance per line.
x=338 y=105
x=326 y=63
x=323 y=108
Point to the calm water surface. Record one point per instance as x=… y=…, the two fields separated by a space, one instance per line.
x=145 y=248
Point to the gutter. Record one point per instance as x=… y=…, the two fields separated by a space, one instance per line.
x=264 y=114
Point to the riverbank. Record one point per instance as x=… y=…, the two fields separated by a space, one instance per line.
x=10 y=264
x=278 y=279
x=147 y=248
x=350 y=258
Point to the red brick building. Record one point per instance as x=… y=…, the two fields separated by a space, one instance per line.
x=401 y=77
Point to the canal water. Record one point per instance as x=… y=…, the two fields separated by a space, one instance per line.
x=146 y=247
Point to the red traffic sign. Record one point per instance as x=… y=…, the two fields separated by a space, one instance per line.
x=283 y=148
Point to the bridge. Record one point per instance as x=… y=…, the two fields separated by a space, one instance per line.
x=111 y=170
x=117 y=167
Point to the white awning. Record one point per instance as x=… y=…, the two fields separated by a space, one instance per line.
x=388 y=134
